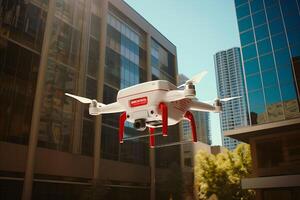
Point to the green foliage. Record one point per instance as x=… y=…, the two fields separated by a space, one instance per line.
x=221 y=174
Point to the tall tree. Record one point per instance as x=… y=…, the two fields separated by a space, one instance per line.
x=221 y=174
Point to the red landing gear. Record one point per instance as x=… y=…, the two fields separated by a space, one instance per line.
x=121 y=126
x=164 y=112
x=188 y=115
x=151 y=138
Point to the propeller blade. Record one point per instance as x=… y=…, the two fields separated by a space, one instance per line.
x=174 y=95
x=230 y=98
x=81 y=99
x=195 y=79
x=198 y=77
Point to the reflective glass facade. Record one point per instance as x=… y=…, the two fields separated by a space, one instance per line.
x=270 y=39
x=230 y=83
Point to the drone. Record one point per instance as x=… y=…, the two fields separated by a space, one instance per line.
x=155 y=104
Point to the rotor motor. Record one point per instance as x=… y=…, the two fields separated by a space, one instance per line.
x=93 y=109
x=189 y=90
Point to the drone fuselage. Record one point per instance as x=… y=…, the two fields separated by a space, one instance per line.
x=142 y=102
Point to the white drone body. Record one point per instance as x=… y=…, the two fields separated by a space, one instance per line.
x=155 y=104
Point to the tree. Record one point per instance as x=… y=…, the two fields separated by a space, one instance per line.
x=221 y=174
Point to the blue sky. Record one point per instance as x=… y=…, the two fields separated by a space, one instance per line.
x=199 y=29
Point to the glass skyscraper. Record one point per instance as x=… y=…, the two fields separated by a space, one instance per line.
x=270 y=39
x=230 y=83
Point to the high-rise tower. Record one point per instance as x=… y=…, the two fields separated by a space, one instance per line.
x=229 y=75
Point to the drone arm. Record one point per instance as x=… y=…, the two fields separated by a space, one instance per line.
x=200 y=106
x=115 y=107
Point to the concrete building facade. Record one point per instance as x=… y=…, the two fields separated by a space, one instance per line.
x=230 y=83
x=50 y=147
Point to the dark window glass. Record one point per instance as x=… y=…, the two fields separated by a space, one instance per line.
x=253 y=82
x=289 y=7
x=91 y=88
x=239 y=2
x=249 y=52
x=294 y=37
x=109 y=143
x=251 y=67
x=269 y=78
x=282 y=57
x=256 y=5
x=93 y=59
x=264 y=46
x=271 y=2
x=267 y=62
x=279 y=42
x=292 y=22
x=242 y=11
x=272 y=95
x=285 y=75
x=256 y=98
x=273 y=12
x=288 y=92
x=245 y=24
x=261 y=32
x=276 y=26
x=95 y=26
x=87 y=147
x=247 y=38
x=295 y=50
x=109 y=95
x=259 y=18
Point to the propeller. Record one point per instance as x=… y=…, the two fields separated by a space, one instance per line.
x=223 y=100
x=195 y=79
x=84 y=99
x=79 y=98
x=230 y=98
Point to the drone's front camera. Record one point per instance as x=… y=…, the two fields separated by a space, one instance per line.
x=140 y=124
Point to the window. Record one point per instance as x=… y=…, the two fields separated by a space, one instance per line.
x=256 y=5
x=251 y=67
x=273 y=12
x=285 y=74
x=245 y=24
x=247 y=38
x=282 y=57
x=272 y=95
x=259 y=18
x=276 y=26
x=288 y=92
x=279 y=42
x=261 y=32
x=267 y=62
x=264 y=46
x=249 y=52
x=269 y=78
x=294 y=37
x=242 y=11
x=253 y=82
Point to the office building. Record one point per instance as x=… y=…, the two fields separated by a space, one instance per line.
x=270 y=39
x=230 y=83
x=50 y=147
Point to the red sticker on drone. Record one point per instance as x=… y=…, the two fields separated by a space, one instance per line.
x=138 y=102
